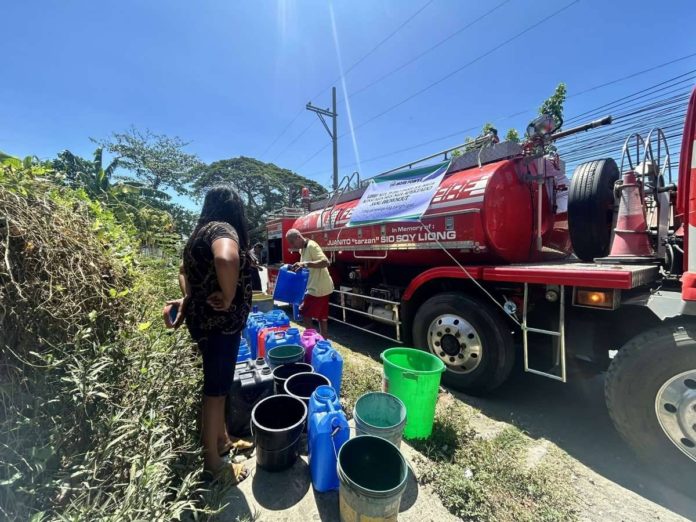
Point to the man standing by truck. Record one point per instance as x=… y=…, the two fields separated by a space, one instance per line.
x=319 y=287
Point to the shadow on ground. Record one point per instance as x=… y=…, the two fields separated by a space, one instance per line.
x=280 y=491
x=572 y=416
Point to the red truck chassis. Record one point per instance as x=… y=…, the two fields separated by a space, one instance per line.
x=482 y=283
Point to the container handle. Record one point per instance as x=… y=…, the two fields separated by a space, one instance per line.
x=333 y=439
x=410 y=375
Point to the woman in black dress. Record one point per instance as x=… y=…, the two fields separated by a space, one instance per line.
x=215 y=279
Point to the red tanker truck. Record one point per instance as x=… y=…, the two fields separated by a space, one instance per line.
x=513 y=263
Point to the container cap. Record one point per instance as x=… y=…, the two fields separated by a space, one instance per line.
x=324 y=345
x=325 y=393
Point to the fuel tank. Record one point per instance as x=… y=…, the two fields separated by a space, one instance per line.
x=479 y=215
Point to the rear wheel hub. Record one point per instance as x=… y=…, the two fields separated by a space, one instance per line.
x=455 y=341
x=675 y=406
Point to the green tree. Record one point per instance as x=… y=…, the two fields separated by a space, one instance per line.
x=157 y=160
x=553 y=105
x=146 y=209
x=264 y=187
x=512 y=135
x=82 y=173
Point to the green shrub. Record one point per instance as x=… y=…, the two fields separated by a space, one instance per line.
x=99 y=401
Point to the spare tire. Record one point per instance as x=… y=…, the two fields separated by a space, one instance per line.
x=591 y=208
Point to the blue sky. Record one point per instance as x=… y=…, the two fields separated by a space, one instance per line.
x=228 y=76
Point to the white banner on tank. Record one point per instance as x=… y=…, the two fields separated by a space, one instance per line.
x=402 y=196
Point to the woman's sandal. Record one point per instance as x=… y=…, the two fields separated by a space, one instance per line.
x=232 y=474
x=238 y=446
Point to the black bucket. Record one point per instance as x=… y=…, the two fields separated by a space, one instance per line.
x=277 y=423
x=302 y=385
x=282 y=372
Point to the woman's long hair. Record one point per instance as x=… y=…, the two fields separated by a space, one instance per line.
x=222 y=203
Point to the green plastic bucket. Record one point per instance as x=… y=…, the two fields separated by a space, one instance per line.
x=414 y=377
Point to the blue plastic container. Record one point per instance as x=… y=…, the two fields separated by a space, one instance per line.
x=329 y=363
x=291 y=286
x=276 y=318
x=296 y=314
x=256 y=322
x=327 y=431
x=282 y=337
x=244 y=353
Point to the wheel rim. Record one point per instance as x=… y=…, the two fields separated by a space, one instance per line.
x=456 y=342
x=675 y=406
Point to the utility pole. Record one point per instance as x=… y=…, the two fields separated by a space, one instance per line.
x=332 y=132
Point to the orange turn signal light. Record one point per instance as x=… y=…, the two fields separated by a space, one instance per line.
x=592 y=298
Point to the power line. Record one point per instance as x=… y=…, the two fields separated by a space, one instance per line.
x=635 y=96
x=294 y=140
x=447 y=76
x=429 y=49
x=353 y=66
x=282 y=133
x=585 y=115
x=372 y=51
x=468 y=64
x=612 y=82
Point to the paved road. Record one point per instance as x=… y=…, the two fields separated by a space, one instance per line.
x=572 y=416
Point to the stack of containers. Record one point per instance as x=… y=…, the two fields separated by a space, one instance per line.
x=255 y=322
x=329 y=363
x=273 y=321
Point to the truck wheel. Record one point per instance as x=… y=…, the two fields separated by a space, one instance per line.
x=591 y=208
x=651 y=397
x=470 y=337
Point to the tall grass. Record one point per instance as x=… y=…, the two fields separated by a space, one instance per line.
x=98 y=402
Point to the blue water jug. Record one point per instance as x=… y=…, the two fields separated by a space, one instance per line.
x=244 y=353
x=291 y=286
x=276 y=318
x=282 y=337
x=327 y=431
x=328 y=362
x=255 y=322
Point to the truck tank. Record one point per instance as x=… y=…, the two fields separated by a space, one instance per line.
x=481 y=215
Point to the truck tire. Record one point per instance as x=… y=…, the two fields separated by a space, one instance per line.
x=471 y=337
x=650 y=392
x=591 y=208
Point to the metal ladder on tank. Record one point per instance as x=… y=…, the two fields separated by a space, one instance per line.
x=559 y=349
x=335 y=197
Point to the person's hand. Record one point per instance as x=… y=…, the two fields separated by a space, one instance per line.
x=218 y=302
x=297 y=266
x=180 y=311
